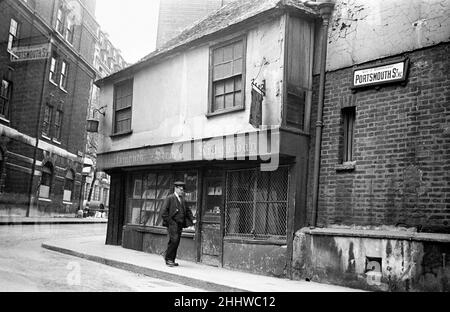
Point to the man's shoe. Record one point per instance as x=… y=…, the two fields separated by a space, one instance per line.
x=170 y=263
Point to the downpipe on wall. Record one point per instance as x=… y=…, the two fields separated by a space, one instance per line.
x=325 y=9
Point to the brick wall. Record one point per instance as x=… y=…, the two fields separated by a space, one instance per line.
x=401 y=149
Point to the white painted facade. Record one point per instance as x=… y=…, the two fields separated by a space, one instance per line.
x=170 y=99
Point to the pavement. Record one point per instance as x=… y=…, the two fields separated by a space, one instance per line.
x=189 y=273
x=18 y=220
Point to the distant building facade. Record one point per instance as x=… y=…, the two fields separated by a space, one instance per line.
x=176 y=15
x=46 y=59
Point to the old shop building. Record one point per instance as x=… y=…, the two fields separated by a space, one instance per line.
x=361 y=194
x=183 y=113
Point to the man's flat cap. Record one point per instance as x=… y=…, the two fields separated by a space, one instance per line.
x=179 y=183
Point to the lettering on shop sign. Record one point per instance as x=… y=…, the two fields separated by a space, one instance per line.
x=386 y=73
x=30 y=53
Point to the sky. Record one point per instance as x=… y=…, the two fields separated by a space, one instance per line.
x=131 y=25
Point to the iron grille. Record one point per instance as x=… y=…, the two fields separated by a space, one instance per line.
x=257 y=203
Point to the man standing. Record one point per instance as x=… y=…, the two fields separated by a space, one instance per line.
x=176 y=216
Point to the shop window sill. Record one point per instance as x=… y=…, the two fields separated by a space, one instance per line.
x=157 y=230
x=249 y=241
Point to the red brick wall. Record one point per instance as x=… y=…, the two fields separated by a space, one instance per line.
x=401 y=149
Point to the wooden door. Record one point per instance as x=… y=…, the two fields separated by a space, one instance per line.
x=211 y=221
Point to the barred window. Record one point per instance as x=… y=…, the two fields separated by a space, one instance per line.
x=257 y=203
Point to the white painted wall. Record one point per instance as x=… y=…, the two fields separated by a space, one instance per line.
x=365 y=30
x=170 y=99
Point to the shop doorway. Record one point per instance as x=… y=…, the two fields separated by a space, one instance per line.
x=211 y=221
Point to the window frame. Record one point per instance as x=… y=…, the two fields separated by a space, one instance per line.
x=48 y=166
x=63 y=76
x=12 y=38
x=69 y=179
x=211 y=83
x=348 y=125
x=59 y=114
x=53 y=69
x=60 y=21
x=47 y=123
x=115 y=110
x=6 y=99
x=69 y=30
x=254 y=201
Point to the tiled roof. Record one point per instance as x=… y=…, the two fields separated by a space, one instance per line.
x=231 y=14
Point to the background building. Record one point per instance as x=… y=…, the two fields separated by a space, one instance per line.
x=46 y=59
x=176 y=15
x=47 y=68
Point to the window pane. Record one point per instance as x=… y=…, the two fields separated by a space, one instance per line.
x=228 y=53
x=229 y=100
x=229 y=85
x=219 y=88
x=223 y=71
x=238 y=99
x=219 y=102
x=217 y=56
x=237 y=67
x=238 y=50
x=238 y=83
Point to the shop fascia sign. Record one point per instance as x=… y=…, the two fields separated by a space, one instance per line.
x=388 y=72
x=31 y=53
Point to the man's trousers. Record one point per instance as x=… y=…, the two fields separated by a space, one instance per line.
x=174 y=231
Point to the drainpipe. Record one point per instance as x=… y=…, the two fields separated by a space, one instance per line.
x=325 y=9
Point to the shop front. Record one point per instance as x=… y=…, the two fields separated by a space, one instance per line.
x=242 y=211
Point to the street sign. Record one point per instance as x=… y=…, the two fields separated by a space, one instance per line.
x=31 y=53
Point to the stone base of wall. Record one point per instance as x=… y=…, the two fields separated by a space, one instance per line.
x=379 y=260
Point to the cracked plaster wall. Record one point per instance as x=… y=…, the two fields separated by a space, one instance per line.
x=363 y=30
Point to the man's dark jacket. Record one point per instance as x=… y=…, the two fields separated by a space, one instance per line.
x=171 y=207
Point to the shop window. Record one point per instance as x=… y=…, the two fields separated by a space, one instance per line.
x=46 y=181
x=123 y=99
x=147 y=191
x=257 y=204
x=227 y=77
x=68 y=186
x=348 y=118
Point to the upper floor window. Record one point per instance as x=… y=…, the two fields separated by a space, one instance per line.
x=46 y=123
x=69 y=30
x=348 y=118
x=227 y=75
x=13 y=34
x=60 y=21
x=64 y=73
x=53 y=66
x=5 y=97
x=123 y=99
x=58 y=125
